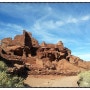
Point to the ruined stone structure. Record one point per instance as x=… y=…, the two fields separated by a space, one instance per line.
x=24 y=52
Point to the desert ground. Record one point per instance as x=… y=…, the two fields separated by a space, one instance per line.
x=51 y=81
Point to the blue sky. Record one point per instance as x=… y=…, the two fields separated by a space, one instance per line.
x=49 y=22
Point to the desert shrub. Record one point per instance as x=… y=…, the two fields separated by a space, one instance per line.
x=3 y=66
x=84 y=80
x=7 y=80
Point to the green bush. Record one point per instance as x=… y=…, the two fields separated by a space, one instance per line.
x=84 y=80
x=3 y=66
x=7 y=80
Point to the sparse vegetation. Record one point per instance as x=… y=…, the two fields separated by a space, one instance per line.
x=3 y=66
x=84 y=80
x=7 y=80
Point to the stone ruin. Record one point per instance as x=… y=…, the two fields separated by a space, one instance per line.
x=25 y=53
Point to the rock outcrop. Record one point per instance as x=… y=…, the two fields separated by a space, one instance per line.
x=25 y=52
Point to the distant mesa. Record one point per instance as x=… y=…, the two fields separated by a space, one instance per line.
x=25 y=53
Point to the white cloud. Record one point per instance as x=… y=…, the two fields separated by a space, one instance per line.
x=16 y=10
x=27 y=12
x=51 y=24
x=15 y=27
x=78 y=19
x=49 y=9
x=84 y=18
x=48 y=24
x=10 y=26
x=59 y=23
x=9 y=30
x=72 y=20
x=42 y=27
x=42 y=30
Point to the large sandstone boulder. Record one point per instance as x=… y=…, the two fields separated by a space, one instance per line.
x=74 y=59
x=83 y=64
x=67 y=68
x=39 y=63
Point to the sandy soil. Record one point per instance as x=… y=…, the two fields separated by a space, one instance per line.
x=51 y=81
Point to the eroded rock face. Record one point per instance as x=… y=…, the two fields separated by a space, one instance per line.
x=20 y=46
x=25 y=52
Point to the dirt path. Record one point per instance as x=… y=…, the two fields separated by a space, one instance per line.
x=52 y=81
x=70 y=81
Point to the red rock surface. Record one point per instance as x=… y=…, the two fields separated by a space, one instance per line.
x=24 y=51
